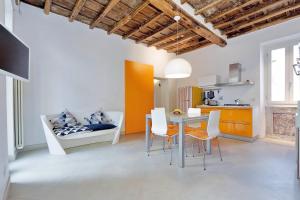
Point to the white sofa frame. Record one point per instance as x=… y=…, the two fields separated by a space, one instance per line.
x=58 y=144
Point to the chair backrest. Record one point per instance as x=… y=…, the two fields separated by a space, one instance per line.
x=194 y=111
x=159 y=122
x=213 y=124
x=160 y=108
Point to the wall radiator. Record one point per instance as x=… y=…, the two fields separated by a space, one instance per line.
x=18 y=114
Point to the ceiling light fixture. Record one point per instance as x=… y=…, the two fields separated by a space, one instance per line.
x=178 y=67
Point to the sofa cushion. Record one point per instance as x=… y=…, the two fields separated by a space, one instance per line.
x=98 y=127
x=69 y=130
x=98 y=117
x=64 y=119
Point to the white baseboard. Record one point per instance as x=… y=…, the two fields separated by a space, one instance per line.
x=33 y=147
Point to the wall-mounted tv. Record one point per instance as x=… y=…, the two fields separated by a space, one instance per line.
x=14 y=55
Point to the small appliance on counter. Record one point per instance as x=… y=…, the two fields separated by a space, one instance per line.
x=209 y=98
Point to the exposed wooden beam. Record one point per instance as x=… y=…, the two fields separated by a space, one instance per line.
x=208 y=6
x=277 y=21
x=127 y=18
x=209 y=36
x=266 y=17
x=47 y=6
x=106 y=10
x=232 y=9
x=171 y=36
x=183 y=1
x=79 y=4
x=155 y=33
x=180 y=40
x=134 y=31
x=251 y=12
x=193 y=47
x=171 y=12
x=186 y=45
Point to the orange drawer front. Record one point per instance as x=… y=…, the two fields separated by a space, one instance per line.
x=233 y=121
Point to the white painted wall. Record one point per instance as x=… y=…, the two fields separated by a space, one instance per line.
x=74 y=67
x=3 y=131
x=246 y=50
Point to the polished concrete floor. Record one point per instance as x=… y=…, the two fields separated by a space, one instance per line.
x=256 y=171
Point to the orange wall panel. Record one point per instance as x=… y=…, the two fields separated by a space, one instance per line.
x=139 y=95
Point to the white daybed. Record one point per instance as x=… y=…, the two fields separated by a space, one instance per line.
x=58 y=144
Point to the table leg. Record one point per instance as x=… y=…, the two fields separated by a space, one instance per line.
x=181 y=145
x=147 y=138
x=208 y=146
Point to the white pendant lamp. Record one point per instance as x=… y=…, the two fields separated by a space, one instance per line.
x=178 y=67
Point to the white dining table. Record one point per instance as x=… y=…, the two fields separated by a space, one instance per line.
x=181 y=120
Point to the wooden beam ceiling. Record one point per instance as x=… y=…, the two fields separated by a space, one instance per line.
x=238 y=17
x=180 y=40
x=171 y=12
x=156 y=32
x=166 y=38
x=208 y=6
x=78 y=6
x=259 y=27
x=47 y=7
x=106 y=10
x=127 y=18
x=251 y=12
x=236 y=7
x=146 y=24
x=145 y=21
x=265 y=17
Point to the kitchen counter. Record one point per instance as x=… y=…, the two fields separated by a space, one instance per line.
x=235 y=121
x=226 y=107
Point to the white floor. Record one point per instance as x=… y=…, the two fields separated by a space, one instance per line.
x=256 y=171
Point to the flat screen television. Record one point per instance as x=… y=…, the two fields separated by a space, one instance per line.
x=14 y=55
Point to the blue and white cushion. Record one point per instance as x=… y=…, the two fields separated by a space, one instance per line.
x=98 y=117
x=64 y=119
x=69 y=130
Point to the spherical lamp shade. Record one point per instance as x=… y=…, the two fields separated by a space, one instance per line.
x=178 y=68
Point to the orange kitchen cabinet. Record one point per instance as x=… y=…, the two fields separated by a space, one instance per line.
x=234 y=121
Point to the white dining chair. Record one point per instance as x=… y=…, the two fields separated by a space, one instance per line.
x=160 y=128
x=170 y=126
x=212 y=132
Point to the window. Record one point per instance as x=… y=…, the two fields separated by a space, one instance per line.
x=278 y=74
x=283 y=84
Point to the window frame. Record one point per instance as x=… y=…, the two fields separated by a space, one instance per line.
x=289 y=73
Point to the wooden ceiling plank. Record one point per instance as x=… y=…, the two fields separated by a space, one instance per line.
x=78 y=6
x=47 y=6
x=180 y=40
x=168 y=10
x=193 y=47
x=208 y=6
x=106 y=10
x=186 y=45
x=266 y=17
x=183 y=1
x=277 y=21
x=146 y=24
x=234 y=8
x=127 y=18
x=251 y=12
x=153 y=34
x=171 y=36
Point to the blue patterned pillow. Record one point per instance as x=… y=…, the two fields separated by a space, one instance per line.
x=98 y=117
x=64 y=119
